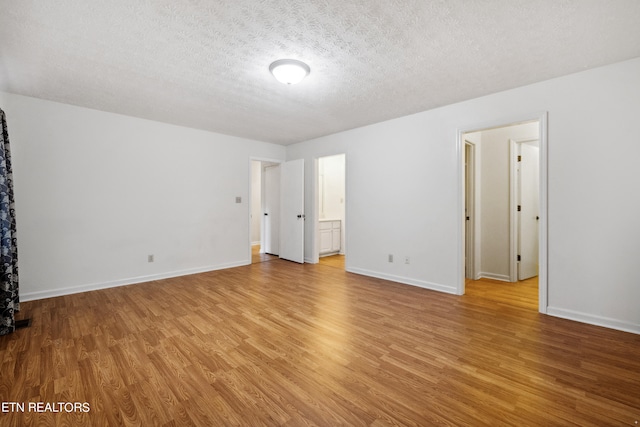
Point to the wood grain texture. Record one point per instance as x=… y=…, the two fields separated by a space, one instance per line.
x=283 y=344
x=257 y=257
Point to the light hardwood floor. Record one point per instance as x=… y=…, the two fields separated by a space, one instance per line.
x=333 y=261
x=257 y=257
x=278 y=343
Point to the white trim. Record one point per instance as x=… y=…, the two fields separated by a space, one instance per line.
x=31 y=296
x=461 y=235
x=404 y=280
x=345 y=226
x=606 y=322
x=542 y=119
x=543 y=261
x=315 y=212
x=501 y=277
x=514 y=151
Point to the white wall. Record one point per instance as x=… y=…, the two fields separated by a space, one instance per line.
x=403 y=177
x=495 y=194
x=393 y=201
x=97 y=192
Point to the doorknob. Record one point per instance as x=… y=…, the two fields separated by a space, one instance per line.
x=266 y=214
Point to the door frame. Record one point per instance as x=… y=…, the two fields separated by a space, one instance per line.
x=542 y=119
x=472 y=198
x=514 y=193
x=315 y=256
x=249 y=204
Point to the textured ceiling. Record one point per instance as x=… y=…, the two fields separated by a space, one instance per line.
x=205 y=64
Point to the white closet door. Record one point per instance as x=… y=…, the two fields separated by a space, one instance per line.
x=292 y=210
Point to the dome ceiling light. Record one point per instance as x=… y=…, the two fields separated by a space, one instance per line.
x=289 y=71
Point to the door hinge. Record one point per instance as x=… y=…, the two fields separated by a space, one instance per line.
x=518 y=257
x=519 y=208
x=519 y=158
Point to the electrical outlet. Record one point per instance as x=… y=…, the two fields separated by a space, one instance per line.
x=150 y=258
x=390 y=257
x=407 y=260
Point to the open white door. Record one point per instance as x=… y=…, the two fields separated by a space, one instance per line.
x=529 y=212
x=271 y=207
x=292 y=210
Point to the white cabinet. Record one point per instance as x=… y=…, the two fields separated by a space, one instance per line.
x=330 y=236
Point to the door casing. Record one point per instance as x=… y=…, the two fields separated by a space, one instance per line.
x=262 y=161
x=315 y=256
x=542 y=119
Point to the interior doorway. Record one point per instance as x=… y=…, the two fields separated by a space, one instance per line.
x=502 y=239
x=276 y=228
x=330 y=227
x=264 y=211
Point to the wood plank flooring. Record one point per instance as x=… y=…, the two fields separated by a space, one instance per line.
x=257 y=257
x=283 y=344
x=523 y=294
x=333 y=261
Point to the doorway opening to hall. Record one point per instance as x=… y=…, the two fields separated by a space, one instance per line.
x=502 y=212
x=265 y=211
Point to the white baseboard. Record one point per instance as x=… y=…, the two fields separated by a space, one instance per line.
x=591 y=319
x=501 y=277
x=405 y=280
x=31 y=296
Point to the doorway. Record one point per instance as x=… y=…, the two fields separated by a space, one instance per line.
x=492 y=186
x=276 y=211
x=330 y=227
x=264 y=211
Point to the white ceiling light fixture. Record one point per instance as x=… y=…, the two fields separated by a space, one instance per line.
x=289 y=71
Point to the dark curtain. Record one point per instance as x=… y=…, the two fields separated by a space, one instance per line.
x=9 y=300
